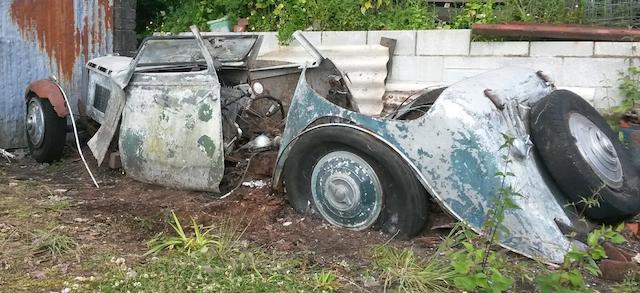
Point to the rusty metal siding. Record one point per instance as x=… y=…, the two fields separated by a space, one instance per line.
x=41 y=38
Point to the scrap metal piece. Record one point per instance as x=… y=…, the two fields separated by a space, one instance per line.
x=546 y=31
x=99 y=143
x=455 y=152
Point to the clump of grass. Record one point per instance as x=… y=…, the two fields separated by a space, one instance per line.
x=222 y=243
x=410 y=274
x=325 y=281
x=630 y=284
x=52 y=242
x=59 y=205
x=211 y=260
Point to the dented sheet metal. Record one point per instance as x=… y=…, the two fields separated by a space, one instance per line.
x=171 y=131
x=364 y=66
x=455 y=152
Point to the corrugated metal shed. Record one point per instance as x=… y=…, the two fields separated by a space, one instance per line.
x=39 y=38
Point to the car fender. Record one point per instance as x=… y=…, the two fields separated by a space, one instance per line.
x=50 y=90
x=457 y=148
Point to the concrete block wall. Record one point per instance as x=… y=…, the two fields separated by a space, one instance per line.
x=442 y=57
x=124 y=27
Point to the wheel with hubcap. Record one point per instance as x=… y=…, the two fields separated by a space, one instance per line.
x=45 y=130
x=584 y=157
x=328 y=172
x=346 y=190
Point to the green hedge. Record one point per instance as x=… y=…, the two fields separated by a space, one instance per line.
x=287 y=16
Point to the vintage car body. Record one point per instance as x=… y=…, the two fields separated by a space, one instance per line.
x=175 y=105
x=455 y=152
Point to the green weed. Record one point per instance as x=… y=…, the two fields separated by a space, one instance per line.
x=403 y=269
x=59 y=205
x=52 y=242
x=630 y=284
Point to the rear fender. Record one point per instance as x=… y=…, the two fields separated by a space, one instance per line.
x=50 y=90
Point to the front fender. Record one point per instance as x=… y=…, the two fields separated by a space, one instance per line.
x=456 y=149
x=50 y=90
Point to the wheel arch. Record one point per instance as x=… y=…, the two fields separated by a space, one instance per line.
x=283 y=156
x=50 y=90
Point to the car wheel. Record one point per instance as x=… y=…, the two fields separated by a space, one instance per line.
x=354 y=181
x=584 y=157
x=45 y=130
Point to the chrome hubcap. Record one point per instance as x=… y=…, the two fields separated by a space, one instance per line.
x=597 y=149
x=35 y=122
x=346 y=190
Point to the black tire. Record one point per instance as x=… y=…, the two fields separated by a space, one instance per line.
x=52 y=145
x=551 y=135
x=404 y=200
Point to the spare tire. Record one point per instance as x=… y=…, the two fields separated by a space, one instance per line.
x=584 y=157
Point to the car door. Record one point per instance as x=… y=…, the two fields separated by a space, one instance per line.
x=171 y=131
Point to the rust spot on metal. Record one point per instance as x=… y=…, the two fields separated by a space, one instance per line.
x=51 y=23
x=47 y=89
x=545 y=31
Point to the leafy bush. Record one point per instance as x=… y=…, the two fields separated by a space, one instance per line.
x=475 y=11
x=287 y=16
x=544 y=11
x=630 y=88
x=181 y=15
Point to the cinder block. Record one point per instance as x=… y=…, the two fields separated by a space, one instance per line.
x=551 y=66
x=406 y=41
x=344 y=38
x=314 y=37
x=587 y=93
x=269 y=42
x=545 y=49
x=607 y=98
x=618 y=49
x=114 y=160
x=592 y=72
x=416 y=69
x=499 y=49
x=443 y=42
x=452 y=76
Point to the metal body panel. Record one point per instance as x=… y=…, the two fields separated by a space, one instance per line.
x=43 y=38
x=455 y=152
x=171 y=131
x=50 y=90
x=364 y=66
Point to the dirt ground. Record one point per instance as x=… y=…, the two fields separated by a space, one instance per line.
x=122 y=214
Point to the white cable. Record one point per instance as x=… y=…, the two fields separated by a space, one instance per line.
x=75 y=133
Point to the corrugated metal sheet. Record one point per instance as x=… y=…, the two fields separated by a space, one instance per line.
x=39 y=38
x=364 y=66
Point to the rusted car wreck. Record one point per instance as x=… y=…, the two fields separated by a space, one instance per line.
x=181 y=117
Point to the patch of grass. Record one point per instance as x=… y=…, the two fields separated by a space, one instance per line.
x=213 y=261
x=59 y=205
x=325 y=281
x=201 y=240
x=403 y=270
x=630 y=284
x=52 y=242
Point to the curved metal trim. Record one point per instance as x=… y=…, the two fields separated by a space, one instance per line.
x=277 y=174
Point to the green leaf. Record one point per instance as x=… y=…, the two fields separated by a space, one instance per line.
x=465 y=283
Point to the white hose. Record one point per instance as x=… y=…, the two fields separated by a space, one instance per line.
x=75 y=133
